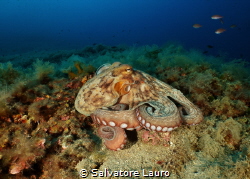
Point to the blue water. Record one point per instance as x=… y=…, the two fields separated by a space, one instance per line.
x=27 y=25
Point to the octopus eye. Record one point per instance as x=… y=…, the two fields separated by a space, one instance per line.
x=128 y=71
x=122 y=87
x=102 y=68
x=127 y=88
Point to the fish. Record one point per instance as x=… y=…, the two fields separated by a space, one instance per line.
x=196 y=26
x=216 y=17
x=233 y=26
x=220 y=30
x=210 y=46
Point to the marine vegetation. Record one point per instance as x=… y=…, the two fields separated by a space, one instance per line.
x=42 y=135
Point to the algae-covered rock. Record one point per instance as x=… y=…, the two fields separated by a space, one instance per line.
x=229 y=133
x=209 y=147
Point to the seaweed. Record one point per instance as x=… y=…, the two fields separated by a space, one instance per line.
x=43 y=71
x=8 y=74
x=80 y=70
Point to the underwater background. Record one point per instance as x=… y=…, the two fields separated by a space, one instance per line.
x=48 y=25
x=50 y=48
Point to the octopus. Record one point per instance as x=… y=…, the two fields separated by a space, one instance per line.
x=121 y=98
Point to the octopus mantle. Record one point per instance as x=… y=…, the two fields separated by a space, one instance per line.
x=120 y=97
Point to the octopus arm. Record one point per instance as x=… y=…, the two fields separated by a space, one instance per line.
x=158 y=116
x=123 y=119
x=114 y=137
x=193 y=114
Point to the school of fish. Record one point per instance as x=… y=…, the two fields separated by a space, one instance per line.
x=219 y=30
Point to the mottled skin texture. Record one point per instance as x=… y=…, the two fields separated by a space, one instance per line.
x=121 y=97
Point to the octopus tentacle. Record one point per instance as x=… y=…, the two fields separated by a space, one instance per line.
x=194 y=114
x=156 y=116
x=115 y=137
x=124 y=119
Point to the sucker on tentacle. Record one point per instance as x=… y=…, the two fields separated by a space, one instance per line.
x=115 y=137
